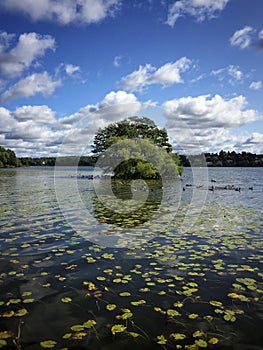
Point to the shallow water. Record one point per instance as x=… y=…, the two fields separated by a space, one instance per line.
x=183 y=269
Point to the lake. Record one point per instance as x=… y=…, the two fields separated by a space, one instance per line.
x=174 y=265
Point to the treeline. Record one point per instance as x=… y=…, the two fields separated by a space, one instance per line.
x=224 y=159
x=8 y=158
x=60 y=161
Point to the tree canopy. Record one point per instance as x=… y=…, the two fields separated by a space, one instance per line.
x=135 y=148
x=8 y=158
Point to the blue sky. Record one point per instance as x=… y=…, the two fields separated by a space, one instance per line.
x=194 y=66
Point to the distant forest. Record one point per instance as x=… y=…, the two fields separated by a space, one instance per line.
x=225 y=159
x=8 y=159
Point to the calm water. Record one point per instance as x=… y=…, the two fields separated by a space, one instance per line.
x=183 y=270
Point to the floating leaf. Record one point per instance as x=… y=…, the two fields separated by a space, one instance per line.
x=124 y=294
x=66 y=300
x=158 y=309
x=198 y=334
x=139 y=302
x=229 y=317
x=21 y=312
x=177 y=336
x=108 y=256
x=101 y=278
x=161 y=339
x=178 y=304
x=8 y=314
x=89 y=323
x=192 y=316
x=126 y=315
x=213 y=341
x=28 y=301
x=79 y=335
x=67 y=336
x=172 y=313
x=233 y=295
x=201 y=342
x=14 y=301
x=5 y=335
x=77 y=327
x=111 y=307
x=162 y=292
x=118 y=328
x=216 y=303
x=218 y=311
x=2 y=343
x=134 y=334
x=48 y=344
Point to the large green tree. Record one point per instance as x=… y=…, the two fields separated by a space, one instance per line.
x=135 y=148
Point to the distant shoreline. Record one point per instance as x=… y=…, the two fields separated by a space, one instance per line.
x=221 y=159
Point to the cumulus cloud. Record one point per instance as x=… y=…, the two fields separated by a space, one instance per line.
x=37 y=83
x=256 y=139
x=195 y=141
x=6 y=120
x=194 y=123
x=199 y=9
x=255 y=85
x=5 y=40
x=64 y=11
x=168 y=74
x=114 y=106
x=30 y=46
x=204 y=112
x=207 y=123
x=41 y=114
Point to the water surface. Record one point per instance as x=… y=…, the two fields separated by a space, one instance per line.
x=190 y=286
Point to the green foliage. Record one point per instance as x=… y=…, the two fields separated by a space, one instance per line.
x=8 y=158
x=136 y=148
x=225 y=159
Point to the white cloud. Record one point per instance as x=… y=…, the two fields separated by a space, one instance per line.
x=114 y=106
x=260 y=35
x=41 y=114
x=233 y=73
x=195 y=141
x=71 y=69
x=5 y=40
x=37 y=83
x=242 y=37
x=199 y=9
x=255 y=85
x=6 y=120
x=117 y=61
x=207 y=124
x=209 y=112
x=29 y=130
x=64 y=11
x=168 y=74
x=256 y=139
x=30 y=46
